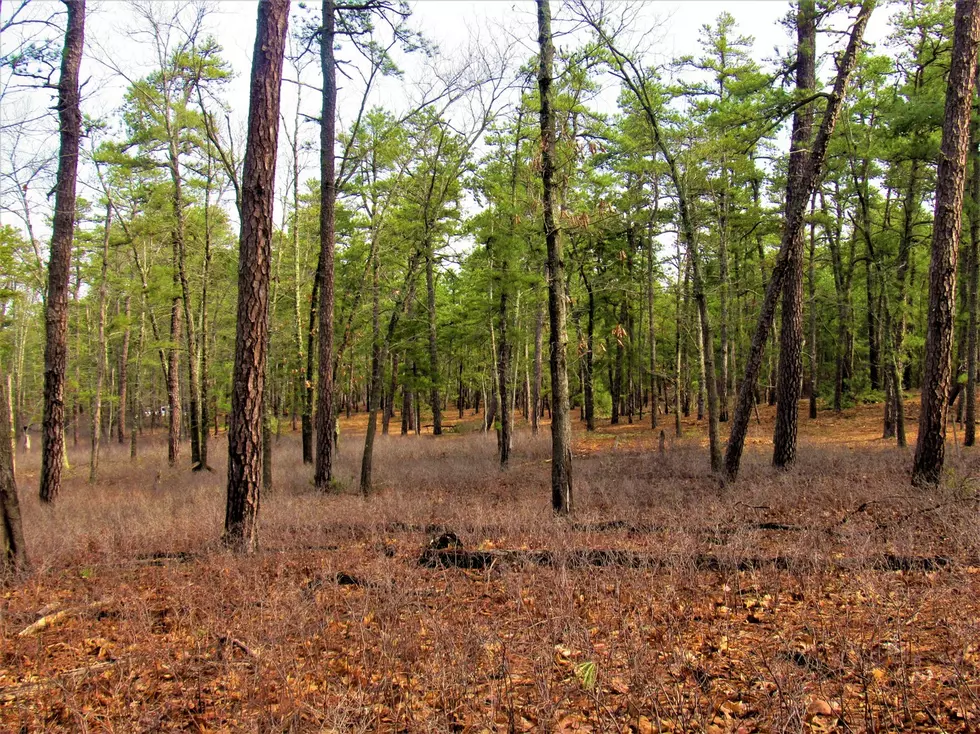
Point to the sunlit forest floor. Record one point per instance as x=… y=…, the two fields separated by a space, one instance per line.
x=832 y=596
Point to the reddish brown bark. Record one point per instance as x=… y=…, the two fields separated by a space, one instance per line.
x=930 y=447
x=59 y=265
x=790 y=371
x=258 y=185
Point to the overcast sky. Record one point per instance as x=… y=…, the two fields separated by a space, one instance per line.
x=669 y=29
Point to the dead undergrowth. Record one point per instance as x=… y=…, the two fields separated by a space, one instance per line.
x=829 y=597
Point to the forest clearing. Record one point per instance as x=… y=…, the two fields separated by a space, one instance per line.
x=369 y=366
x=829 y=597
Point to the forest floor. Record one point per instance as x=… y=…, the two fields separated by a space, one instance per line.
x=830 y=597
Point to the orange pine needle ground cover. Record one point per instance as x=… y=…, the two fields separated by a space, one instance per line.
x=831 y=597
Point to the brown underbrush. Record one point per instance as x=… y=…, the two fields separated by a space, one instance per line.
x=830 y=597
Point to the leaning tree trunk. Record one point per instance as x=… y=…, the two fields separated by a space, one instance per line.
x=251 y=338
x=790 y=370
x=792 y=229
x=59 y=265
x=323 y=470
x=930 y=448
x=561 y=429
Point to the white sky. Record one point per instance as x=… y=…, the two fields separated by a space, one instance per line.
x=671 y=29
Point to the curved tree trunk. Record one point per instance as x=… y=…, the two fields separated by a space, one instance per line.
x=930 y=449
x=59 y=265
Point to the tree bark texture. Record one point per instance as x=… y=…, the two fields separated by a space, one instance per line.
x=792 y=228
x=323 y=469
x=790 y=370
x=59 y=265
x=561 y=429
x=251 y=340
x=930 y=447
x=973 y=275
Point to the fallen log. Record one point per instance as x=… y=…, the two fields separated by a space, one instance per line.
x=602 y=557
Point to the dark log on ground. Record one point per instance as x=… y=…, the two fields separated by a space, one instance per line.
x=600 y=557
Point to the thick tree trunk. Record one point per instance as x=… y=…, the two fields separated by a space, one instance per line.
x=793 y=226
x=59 y=265
x=251 y=340
x=790 y=370
x=323 y=471
x=561 y=429
x=930 y=448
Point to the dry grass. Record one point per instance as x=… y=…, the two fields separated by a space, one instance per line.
x=165 y=630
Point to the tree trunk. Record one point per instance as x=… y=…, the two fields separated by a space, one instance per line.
x=950 y=179
x=180 y=257
x=13 y=550
x=124 y=376
x=503 y=363
x=804 y=184
x=812 y=298
x=59 y=265
x=536 y=388
x=374 y=390
x=251 y=339
x=100 y=356
x=973 y=275
x=790 y=370
x=678 y=431
x=430 y=290
x=652 y=335
x=323 y=471
x=561 y=433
